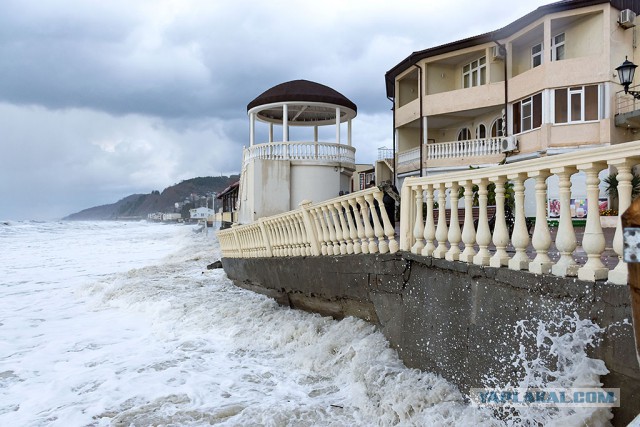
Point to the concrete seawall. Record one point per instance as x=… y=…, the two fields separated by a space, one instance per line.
x=451 y=318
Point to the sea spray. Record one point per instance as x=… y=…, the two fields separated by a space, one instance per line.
x=557 y=360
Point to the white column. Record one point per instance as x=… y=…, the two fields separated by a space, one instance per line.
x=285 y=123
x=593 y=241
x=541 y=241
x=520 y=237
x=500 y=230
x=442 y=231
x=270 y=132
x=483 y=236
x=619 y=275
x=252 y=130
x=566 y=238
x=429 y=226
x=468 y=230
x=337 y=125
x=315 y=134
x=349 y=133
x=454 y=235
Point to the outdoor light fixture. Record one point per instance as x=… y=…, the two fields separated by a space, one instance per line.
x=625 y=74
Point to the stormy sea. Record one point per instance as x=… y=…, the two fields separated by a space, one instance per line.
x=121 y=324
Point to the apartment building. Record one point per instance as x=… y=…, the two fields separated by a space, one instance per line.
x=544 y=84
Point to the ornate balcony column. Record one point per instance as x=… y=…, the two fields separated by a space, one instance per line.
x=441 y=230
x=372 y=232
x=368 y=243
x=468 y=230
x=454 y=235
x=566 y=238
x=418 y=228
x=541 y=264
x=520 y=237
x=619 y=275
x=429 y=226
x=359 y=228
x=483 y=236
x=593 y=241
x=500 y=231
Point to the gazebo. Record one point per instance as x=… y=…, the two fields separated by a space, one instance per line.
x=280 y=173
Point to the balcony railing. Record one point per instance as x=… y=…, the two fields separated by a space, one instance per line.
x=351 y=224
x=299 y=151
x=626 y=103
x=468 y=149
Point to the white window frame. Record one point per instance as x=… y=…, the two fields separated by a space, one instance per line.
x=477 y=66
x=555 y=45
x=465 y=131
x=478 y=131
x=529 y=103
x=499 y=128
x=580 y=90
x=537 y=55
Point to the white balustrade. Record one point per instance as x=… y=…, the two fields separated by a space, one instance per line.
x=300 y=151
x=358 y=223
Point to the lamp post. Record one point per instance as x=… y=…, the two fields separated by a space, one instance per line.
x=625 y=73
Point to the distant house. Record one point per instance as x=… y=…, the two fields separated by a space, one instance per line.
x=201 y=213
x=363 y=174
x=171 y=217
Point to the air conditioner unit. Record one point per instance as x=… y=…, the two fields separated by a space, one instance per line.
x=508 y=144
x=498 y=52
x=627 y=18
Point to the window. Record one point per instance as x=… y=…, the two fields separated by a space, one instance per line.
x=576 y=104
x=536 y=55
x=481 y=131
x=475 y=73
x=527 y=114
x=557 y=47
x=464 y=134
x=497 y=128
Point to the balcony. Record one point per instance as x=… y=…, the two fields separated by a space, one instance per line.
x=454 y=153
x=295 y=151
x=627 y=110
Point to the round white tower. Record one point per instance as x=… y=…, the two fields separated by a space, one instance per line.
x=280 y=173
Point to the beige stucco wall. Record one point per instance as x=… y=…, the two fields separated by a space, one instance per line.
x=316 y=183
x=408 y=138
x=464 y=99
x=440 y=78
x=407 y=113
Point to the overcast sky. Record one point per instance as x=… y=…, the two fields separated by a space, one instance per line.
x=102 y=99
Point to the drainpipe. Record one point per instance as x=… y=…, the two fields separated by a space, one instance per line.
x=421 y=122
x=393 y=111
x=503 y=50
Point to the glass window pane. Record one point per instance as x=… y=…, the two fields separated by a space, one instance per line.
x=483 y=60
x=576 y=107
x=465 y=69
x=474 y=78
x=559 y=38
x=466 y=80
x=516 y=118
x=537 y=110
x=560 y=52
x=591 y=102
x=560 y=106
x=483 y=75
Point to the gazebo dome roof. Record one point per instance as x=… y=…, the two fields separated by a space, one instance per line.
x=304 y=97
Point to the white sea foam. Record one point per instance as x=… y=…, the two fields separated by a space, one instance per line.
x=121 y=324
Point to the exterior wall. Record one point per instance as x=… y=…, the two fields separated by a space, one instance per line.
x=464 y=99
x=408 y=138
x=440 y=78
x=266 y=190
x=407 y=113
x=442 y=316
x=315 y=183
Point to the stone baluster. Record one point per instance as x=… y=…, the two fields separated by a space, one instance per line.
x=368 y=244
x=619 y=275
x=441 y=230
x=454 y=235
x=359 y=229
x=389 y=232
x=468 y=229
x=520 y=237
x=593 y=241
x=344 y=231
x=429 y=225
x=541 y=241
x=418 y=227
x=483 y=235
x=351 y=227
x=322 y=222
x=500 y=230
x=295 y=246
x=379 y=223
x=339 y=245
x=377 y=228
x=566 y=238
x=331 y=242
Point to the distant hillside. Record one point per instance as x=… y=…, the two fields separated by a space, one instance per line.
x=139 y=205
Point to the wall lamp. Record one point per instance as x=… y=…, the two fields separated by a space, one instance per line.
x=625 y=74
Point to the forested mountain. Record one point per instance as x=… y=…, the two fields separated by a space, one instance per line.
x=139 y=205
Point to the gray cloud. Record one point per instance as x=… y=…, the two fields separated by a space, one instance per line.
x=102 y=99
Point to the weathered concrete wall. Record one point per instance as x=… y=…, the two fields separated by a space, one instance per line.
x=451 y=318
